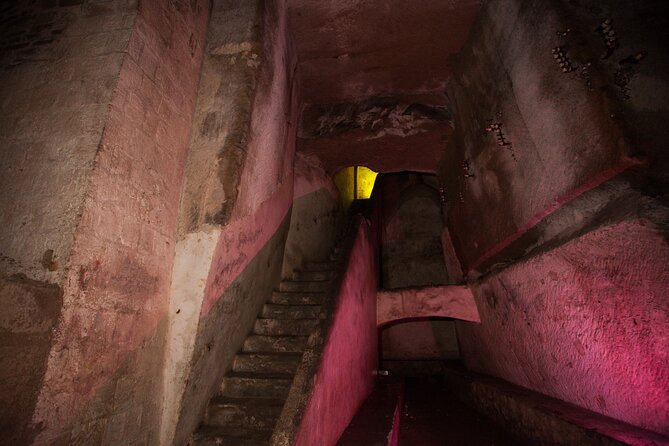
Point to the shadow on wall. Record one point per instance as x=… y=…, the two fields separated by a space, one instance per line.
x=412 y=256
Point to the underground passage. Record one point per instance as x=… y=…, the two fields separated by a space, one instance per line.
x=334 y=222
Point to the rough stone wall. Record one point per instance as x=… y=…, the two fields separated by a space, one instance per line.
x=562 y=133
x=316 y=217
x=571 y=199
x=587 y=323
x=31 y=310
x=411 y=256
x=58 y=68
x=102 y=204
x=235 y=204
x=59 y=64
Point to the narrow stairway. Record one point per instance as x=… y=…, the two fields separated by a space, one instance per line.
x=252 y=394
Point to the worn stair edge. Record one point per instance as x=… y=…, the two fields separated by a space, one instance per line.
x=304 y=287
x=279 y=311
x=255 y=385
x=212 y=436
x=274 y=344
x=312 y=276
x=319 y=266
x=242 y=414
x=282 y=327
x=266 y=362
x=296 y=298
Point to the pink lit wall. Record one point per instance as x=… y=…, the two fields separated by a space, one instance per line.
x=116 y=291
x=587 y=323
x=345 y=376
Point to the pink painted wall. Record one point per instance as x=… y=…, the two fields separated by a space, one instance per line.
x=587 y=323
x=241 y=240
x=117 y=287
x=345 y=376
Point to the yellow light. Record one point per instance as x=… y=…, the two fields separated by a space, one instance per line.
x=366 y=179
x=355 y=183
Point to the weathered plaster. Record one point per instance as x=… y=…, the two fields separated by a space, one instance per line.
x=238 y=195
x=561 y=133
x=222 y=329
x=30 y=312
x=116 y=287
x=587 y=323
x=192 y=261
x=316 y=217
x=452 y=301
x=54 y=104
x=543 y=420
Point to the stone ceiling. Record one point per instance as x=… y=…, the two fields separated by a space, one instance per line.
x=387 y=58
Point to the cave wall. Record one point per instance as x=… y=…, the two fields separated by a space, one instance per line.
x=52 y=114
x=58 y=68
x=235 y=205
x=316 y=217
x=411 y=256
x=561 y=228
x=587 y=323
x=98 y=116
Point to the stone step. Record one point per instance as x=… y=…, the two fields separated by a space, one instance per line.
x=302 y=287
x=275 y=344
x=240 y=416
x=319 y=266
x=254 y=385
x=211 y=436
x=312 y=276
x=283 y=327
x=266 y=362
x=281 y=298
x=277 y=311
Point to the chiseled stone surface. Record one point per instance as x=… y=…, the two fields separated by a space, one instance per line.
x=110 y=337
x=238 y=194
x=587 y=323
x=452 y=301
x=562 y=138
x=59 y=67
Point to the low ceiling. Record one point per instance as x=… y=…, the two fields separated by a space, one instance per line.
x=356 y=51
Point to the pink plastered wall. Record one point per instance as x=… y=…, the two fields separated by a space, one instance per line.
x=587 y=323
x=117 y=288
x=274 y=118
x=241 y=240
x=345 y=376
x=310 y=177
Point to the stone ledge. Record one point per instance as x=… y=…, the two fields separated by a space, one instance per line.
x=540 y=419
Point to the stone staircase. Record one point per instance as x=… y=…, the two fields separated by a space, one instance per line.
x=252 y=394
